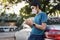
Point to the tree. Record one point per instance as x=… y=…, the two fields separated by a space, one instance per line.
x=15 y=1
x=3 y=14
x=46 y=5
x=12 y=16
x=25 y=11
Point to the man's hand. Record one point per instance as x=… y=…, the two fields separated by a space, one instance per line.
x=46 y=34
x=29 y=22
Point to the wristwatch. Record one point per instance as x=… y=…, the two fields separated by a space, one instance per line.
x=33 y=24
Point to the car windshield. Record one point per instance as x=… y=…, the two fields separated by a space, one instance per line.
x=53 y=23
x=53 y=20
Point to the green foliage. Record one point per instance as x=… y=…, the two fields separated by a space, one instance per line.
x=19 y=22
x=14 y=1
x=59 y=0
x=26 y=10
x=10 y=1
x=11 y=16
x=3 y=14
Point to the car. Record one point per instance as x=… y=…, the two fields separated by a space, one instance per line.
x=4 y=29
x=53 y=29
x=1 y=30
x=8 y=28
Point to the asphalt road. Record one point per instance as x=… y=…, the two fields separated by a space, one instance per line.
x=7 y=35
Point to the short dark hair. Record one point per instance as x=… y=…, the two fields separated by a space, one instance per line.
x=34 y=3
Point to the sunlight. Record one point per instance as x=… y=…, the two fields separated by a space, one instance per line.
x=16 y=8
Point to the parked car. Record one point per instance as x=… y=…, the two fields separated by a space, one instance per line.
x=8 y=28
x=1 y=30
x=53 y=29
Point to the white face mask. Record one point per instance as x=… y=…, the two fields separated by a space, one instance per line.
x=34 y=11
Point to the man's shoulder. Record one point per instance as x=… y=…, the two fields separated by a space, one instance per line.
x=43 y=12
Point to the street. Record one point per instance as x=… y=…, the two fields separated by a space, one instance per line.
x=7 y=35
x=10 y=36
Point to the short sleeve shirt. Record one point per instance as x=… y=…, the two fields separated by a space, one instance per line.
x=39 y=19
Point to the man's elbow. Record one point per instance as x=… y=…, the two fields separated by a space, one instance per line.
x=43 y=28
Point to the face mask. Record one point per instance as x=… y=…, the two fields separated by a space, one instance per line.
x=34 y=11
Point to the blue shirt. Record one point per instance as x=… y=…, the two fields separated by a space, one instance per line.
x=39 y=19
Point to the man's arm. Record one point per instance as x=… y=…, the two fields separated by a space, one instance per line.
x=43 y=20
x=42 y=27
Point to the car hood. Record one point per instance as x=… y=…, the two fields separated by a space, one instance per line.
x=53 y=27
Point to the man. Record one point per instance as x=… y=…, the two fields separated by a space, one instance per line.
x=39 y=23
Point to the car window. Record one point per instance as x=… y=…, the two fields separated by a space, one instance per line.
x=53 y=20
x=54 y=27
